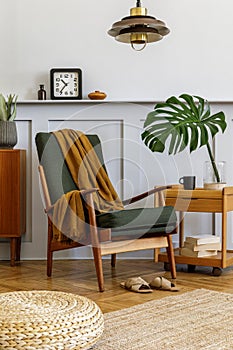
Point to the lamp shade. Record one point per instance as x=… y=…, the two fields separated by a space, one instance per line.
x=138 y=28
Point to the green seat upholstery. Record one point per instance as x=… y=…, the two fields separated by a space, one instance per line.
x=131 y=221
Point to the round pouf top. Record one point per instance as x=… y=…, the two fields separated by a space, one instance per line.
x=48 y=320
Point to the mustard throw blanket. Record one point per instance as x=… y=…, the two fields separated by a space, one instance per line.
x=87 y=172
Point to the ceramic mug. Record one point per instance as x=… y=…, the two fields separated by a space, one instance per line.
x=189 y=182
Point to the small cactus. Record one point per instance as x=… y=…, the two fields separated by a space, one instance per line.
x=8 y=107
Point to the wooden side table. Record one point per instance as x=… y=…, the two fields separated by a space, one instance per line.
x=13 y=198
x=201 y=200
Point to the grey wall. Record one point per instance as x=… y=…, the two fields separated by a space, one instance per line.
x=196 y=57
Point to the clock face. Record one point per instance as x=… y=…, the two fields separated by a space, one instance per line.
x=66 y=84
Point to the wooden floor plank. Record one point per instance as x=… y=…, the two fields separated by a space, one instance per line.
x=78 y=276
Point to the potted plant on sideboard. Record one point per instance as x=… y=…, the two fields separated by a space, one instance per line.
x=183 y=122
x=8 y=130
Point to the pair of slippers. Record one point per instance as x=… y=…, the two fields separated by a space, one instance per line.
x=139 y=285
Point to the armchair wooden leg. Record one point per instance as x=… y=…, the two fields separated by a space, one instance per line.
x=95 y=242
x=98 y=267
x=49 y=263
x=49 y=251
x=171 y=258
x=113 y=260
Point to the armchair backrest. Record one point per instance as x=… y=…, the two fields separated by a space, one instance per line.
x=58 y=177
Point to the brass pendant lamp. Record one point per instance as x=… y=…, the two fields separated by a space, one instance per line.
x=138 y=29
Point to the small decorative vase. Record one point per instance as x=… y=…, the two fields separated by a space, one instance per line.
x=41 y=93
x=210 y=180
x=97 y=95
x=8 y=134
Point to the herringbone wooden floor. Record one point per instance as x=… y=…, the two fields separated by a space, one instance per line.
x=78 y=276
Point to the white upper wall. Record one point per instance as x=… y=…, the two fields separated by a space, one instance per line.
x=196 y=57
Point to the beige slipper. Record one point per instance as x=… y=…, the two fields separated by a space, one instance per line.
x=137 y=285
x=162 y=283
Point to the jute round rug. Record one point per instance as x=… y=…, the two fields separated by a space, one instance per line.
x=201 y=319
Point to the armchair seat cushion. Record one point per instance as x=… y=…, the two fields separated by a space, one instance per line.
x=150 y=220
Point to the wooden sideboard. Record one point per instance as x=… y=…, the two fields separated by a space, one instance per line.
x=13 y=198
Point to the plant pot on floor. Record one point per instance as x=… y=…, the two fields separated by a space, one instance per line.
x=8 y=134
x=210 y=180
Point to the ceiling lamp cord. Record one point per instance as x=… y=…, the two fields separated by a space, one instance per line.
x=138 y=29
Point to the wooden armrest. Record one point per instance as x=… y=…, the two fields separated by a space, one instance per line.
x=144 y=195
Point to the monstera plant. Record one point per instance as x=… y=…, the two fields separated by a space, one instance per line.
x=183 y=122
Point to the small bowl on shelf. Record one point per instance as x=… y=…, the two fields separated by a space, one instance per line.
x=97 y=95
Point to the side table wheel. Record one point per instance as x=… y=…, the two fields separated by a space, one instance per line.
x=191 y=268
x=217 y=271
x=166 y=266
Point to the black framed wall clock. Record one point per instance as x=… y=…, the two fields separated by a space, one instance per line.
x=66 y=84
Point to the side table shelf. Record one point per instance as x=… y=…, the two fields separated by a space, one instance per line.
x=13 y=198
x=201 y=200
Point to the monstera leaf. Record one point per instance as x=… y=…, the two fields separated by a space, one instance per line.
x=182 y=122
x=185 y=123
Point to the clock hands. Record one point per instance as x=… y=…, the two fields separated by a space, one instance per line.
x=64 y=82
x=65 y=85
x=62 y=89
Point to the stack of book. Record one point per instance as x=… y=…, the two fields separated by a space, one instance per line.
x=201 y=245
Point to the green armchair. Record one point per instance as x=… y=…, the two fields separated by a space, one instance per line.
x=108 y=233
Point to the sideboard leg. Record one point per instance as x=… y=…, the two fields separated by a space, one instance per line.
x=13 y=250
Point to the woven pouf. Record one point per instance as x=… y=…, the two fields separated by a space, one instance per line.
x=48 y=320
